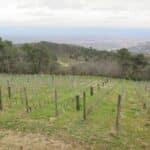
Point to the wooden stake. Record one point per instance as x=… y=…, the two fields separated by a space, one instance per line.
x=26 y=100
x=1 y=106
x=91 y=91
x=103 y=83
x=84 y=105
x=77 y=103
x=9 y=90
x=118 y=114
x=56 y=102
x=98 y=86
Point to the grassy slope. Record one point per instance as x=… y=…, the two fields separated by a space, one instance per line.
x=98 y=129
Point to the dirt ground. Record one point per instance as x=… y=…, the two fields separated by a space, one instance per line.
x=12 y=140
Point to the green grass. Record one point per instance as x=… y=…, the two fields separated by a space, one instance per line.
x=99 y=128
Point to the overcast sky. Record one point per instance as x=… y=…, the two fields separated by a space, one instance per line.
x=131 y=13
x=75 y=13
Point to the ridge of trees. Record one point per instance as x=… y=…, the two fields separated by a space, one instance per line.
x=44 y=57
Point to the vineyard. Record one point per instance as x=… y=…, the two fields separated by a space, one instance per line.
x=95 y=112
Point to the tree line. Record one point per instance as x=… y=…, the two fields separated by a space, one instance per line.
x=46 y=57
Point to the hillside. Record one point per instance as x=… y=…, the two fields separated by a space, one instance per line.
x=54 y=58
x=42 y=124
x=61 y=50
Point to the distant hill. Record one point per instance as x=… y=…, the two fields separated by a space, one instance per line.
x=57 y=58
x=141 y=48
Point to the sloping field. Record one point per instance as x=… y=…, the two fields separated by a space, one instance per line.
x=73 y=112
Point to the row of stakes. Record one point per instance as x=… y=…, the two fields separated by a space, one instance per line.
x=118 y=111
x=28 y=108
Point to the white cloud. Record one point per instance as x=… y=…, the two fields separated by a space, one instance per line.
x=129 y=13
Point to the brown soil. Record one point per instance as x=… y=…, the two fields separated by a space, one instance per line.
x=12 y=140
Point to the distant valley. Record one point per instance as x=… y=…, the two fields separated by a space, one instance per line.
x=135 y=46
x=141 y=48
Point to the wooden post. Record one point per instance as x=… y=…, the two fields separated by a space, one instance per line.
x=144 y=106
x=84 y=105
x=26 y=100
x=118 y=114
x=77 y=103
x=98 y=86
x=30 y=109
x=1 y=106
x=103 y=83
x=53 y=81
x=91 y=91
x=56 y=102
x=9 y=90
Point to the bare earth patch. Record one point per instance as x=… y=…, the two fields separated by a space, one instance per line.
x=11 y=140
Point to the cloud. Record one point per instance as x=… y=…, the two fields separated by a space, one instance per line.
x=128 y=13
